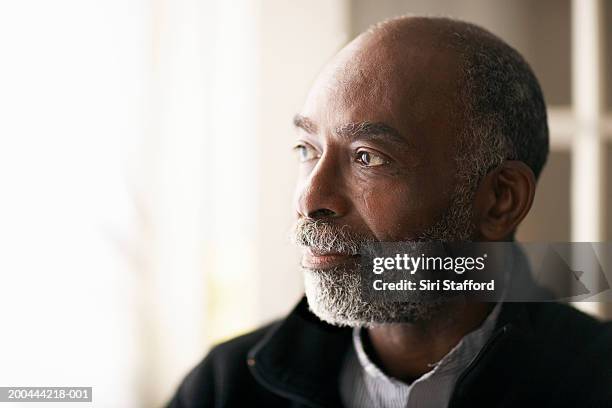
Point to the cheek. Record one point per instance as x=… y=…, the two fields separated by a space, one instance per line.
x=396 y=211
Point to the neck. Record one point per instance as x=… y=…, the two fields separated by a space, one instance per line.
x=407 y=350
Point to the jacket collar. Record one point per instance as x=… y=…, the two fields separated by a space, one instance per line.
x=510 y=364
x=512 y=353
x=301 y=358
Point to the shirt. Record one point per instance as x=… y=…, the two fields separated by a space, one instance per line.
x=363 y=384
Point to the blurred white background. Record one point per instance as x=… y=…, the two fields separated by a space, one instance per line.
x=146 y=175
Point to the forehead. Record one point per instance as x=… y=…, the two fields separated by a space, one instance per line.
x=409 y=81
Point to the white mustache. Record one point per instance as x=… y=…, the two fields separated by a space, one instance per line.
x=324 y=237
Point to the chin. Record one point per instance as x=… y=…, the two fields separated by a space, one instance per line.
x=335 y=297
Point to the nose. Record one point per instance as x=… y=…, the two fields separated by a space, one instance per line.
x=322 y=194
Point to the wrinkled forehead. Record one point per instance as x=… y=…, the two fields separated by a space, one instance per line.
x=409 y=80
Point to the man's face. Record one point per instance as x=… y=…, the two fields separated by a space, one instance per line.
x=376 y=143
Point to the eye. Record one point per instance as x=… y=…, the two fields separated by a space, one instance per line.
x=368 y=158
x=306 y=152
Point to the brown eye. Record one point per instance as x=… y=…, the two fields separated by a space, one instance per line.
x=305 y=152
x=370 y=159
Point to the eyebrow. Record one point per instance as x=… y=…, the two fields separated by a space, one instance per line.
x=370 y=130
x=356 y=130
x=305 y=124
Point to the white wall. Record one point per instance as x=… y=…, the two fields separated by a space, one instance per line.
x=297 y=39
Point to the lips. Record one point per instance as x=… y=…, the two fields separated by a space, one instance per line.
x=324 y=260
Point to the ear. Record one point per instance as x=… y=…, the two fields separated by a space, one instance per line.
x=502 y=200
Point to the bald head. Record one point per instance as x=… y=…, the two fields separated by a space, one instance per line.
x=403 y=67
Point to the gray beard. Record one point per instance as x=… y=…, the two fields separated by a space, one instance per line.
x=335 y=295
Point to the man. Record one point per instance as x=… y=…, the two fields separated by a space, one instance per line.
x=421 y=129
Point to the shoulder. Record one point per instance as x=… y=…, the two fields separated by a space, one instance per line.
x=223 y=371
x=580 y=352
x=237 y=348
x=569 y=326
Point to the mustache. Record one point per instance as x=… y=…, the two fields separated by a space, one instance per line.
x=325 y=237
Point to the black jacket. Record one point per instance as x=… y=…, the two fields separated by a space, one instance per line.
x=539 y=355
